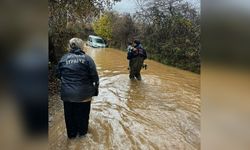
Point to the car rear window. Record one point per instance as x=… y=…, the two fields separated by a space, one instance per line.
x=99 y=41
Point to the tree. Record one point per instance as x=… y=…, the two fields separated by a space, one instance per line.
x=170 y=31
x=123 y=30
x=103 y=27
x=67 y=18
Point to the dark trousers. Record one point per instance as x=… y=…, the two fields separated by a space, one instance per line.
x=35 y=116
x=76 y=118
x=135 y=65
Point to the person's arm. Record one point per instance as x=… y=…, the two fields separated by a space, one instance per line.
x=93 y=72
x=129 y=55
x=57 y=69
x=128 y=48
x=145 y=54
x=93 y=75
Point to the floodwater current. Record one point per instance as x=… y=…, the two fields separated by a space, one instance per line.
x=160 y=112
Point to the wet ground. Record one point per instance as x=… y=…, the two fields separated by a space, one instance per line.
x=160 y=112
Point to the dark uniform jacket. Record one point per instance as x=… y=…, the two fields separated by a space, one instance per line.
x=78 y=75
x=138 y=52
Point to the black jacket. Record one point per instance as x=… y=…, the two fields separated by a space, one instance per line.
x=78 y=75
x=140 y=51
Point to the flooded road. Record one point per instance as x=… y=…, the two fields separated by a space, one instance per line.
x=160 y=112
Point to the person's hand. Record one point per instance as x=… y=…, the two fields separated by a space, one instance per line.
x=96 y=85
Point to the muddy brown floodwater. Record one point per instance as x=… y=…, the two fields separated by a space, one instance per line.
x=160 y=112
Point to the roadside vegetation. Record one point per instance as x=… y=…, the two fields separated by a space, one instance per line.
x=168 y=29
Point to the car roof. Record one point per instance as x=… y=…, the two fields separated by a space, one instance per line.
x=93 y=36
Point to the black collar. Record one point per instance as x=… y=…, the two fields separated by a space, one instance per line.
x=77 y=51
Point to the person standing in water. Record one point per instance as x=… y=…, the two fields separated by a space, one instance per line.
x=79 y=82
x=136 y=57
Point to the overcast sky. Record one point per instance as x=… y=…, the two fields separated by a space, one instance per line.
x=129 y=6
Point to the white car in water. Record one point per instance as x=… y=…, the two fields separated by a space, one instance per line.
x=96 y=42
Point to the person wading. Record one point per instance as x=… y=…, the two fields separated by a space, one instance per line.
x=79 y=82
x=136 y=57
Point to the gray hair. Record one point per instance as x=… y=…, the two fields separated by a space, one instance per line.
x=76 y=43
